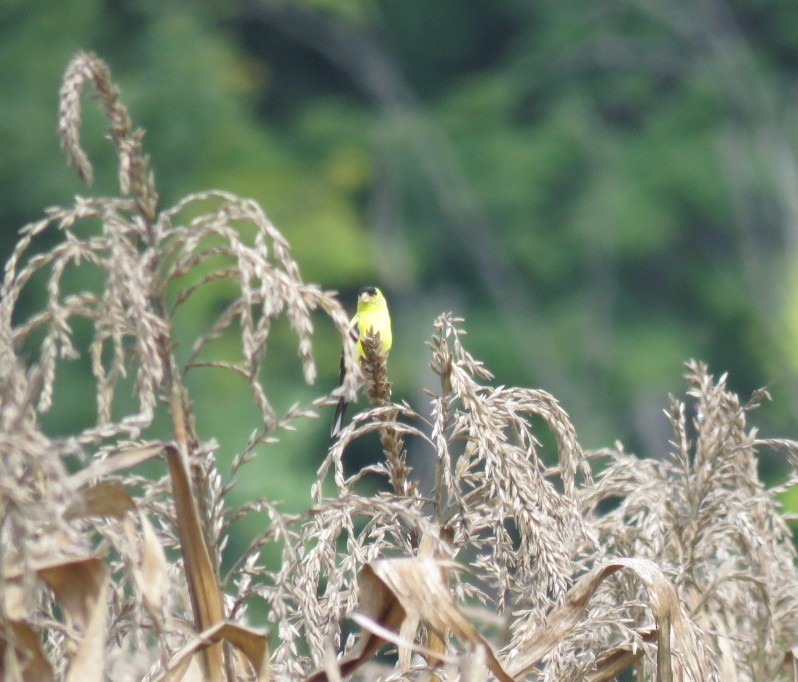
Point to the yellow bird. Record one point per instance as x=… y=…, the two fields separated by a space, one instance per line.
x=372 y=317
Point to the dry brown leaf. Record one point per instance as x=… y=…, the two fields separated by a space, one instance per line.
x=124 y=460
x=407 y=633
x=418 y=584
x=331 y=663
x=436 y=640
x=33 y=666
x=206 y=598
x=103 y=499
x=251 y=642
x=13 y=595
x=664 y=603
x=379 y=605
x=376 y=602
x=719 y=623
x=396 y=638
x=472 y=666
x=613 y=662
x=393 y=590
x=186 y=668
x=80 y=587
x=149 y=573
x=790 y=662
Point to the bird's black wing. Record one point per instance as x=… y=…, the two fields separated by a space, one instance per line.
x=340 y=409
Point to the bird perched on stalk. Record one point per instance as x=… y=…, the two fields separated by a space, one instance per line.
x=371 y=319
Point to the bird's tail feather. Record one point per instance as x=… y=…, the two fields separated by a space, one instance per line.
x=338 y=419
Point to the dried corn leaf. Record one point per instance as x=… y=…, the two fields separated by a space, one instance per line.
x=393 y=591
x=103 y=499
x=150 y=571
x=331 y=663
x=13 y=596
x=664 y=603
x=419 y=587
x=428 y=548
x=613 y=662
x=29 y=663
x=396 y=638
x=124 y=460
x=80 y=587
x=203 y=586
x=249 y=641
x=790 y=663
x=472 y=666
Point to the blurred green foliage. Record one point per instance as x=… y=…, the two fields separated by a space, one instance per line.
x=602 y=190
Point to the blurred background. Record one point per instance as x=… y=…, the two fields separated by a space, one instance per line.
x=603 y=190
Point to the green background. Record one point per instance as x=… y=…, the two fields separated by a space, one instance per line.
x=601 y=189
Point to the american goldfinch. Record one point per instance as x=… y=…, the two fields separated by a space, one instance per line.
x=372 y=317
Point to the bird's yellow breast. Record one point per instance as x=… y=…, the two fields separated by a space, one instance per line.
x=373 y=318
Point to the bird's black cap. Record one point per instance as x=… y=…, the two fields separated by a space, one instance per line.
x=371 y=291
